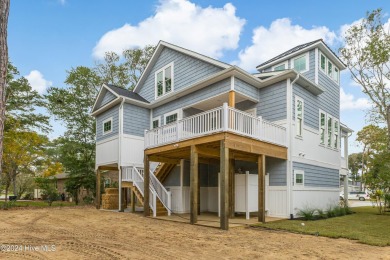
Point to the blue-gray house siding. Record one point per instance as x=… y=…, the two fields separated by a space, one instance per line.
x=187 y=70
x=192 y=98
x=135 y=120
x=330 y=99
x=246 y=88
x=310 y=106
x=317 y=176
x=272 y=104
x=111 y=113
x=311 y=73
x=107 y=98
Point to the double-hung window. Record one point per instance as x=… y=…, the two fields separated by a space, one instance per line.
x=299 y=115
x=330 y=128
x=164 y=80
x=298 y=177
x=322 y=127
x=336 y=134
x=107 y=126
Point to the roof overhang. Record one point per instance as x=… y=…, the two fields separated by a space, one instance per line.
x=320 y=45
x=100 y=95
x=345 y=128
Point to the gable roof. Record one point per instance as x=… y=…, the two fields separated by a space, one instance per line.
x=126 y=93
x=161 y=45
x=301 y=48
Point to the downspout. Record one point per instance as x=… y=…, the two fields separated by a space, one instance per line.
x=291 y=173
x=120 y=133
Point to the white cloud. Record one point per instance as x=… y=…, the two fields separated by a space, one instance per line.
x=38 y=82
x=349 y=102
x=281 y=36
x=208 y=30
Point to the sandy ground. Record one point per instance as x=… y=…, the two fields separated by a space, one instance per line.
x=86 y=233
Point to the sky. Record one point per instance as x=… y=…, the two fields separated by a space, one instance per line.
x=46 y=38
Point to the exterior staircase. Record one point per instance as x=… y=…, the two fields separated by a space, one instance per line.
x=159 y=197
x=162 y=170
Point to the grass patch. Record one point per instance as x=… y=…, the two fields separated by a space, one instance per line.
x=366 y=226
x=38 y=204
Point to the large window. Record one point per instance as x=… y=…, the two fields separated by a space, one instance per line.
x=300 y=64
x=322 y=62
x=164 y=80
x=171 y=118
x=299 y=116
x=330 y=69
x=322 y=127
x=107 y=126
x=299 y=177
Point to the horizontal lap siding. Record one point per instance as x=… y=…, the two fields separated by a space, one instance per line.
x=135 y=120
x=277 y=170
x=246 y=88
x=330 y=99
x=316 y=176
x=311 y=73
x=112 y=112
x=192 y=98
x=310 y=106
x=273 y=102
x=187 y=70
x=108 y=97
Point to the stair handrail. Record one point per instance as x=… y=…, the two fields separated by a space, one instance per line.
x=138 y=181
x=161 y=192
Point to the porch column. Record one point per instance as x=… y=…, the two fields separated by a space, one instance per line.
x=232 y=98
x=346 y=189
x=194 y=181
x=261 y=183
x=224 y=169
x=146 y=186
x=98 y=184
x=120 y=207
x=232 y=189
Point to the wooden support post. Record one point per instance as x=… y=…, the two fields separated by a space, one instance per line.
x=198 y=188
x=120 y=197
x=224 y=169
x=132 y=195
x=194 y=179
x=98 y=191
x=231 y=188
x=261 y=183
x=146 y=186
x=232 y=98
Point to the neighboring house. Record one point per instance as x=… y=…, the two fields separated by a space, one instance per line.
x=220 y=139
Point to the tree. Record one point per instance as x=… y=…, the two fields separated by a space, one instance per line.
x=367 y=55
x=355 y=165
x=49 y=191
x=124 y=72
x=4 y=11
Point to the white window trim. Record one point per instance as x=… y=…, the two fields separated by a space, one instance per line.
x=172 y=80
x=179 y=113
x=303 y=178
x=105 y=121
x=285 y=63
x=326 y=62
x=296 y=115
x=154 y=119
x=337 y=79
x=336 y=133
x=306 y=55
x=327 y=131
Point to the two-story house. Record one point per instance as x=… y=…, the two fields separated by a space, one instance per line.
x=200 y=135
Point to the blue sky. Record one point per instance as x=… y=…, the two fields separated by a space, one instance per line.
x=48 y=37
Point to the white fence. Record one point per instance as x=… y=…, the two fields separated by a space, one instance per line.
x=221 y=119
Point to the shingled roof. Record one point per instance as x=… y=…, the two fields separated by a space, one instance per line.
x=126 y=93
x=295 y=49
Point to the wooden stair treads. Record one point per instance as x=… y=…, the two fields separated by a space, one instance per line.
x=162 y=171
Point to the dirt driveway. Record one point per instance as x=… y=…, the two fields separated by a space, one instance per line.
x=86 y=233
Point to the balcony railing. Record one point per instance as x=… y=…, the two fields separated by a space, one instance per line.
x=221 y=119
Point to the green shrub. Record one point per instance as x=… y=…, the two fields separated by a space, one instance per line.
x=321 y=214
x=306 y=213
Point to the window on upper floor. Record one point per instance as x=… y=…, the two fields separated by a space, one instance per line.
x=155 y=122
x=107 y=126
x=164 y=80
x=322 y=127
x=336 y=134
x=300 y=64
x=298 y=116
x=329 y=68
x=171 y=118
x=299 y=177
x=281 y=66
x=330 y=120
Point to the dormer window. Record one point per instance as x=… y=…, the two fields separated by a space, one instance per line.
x=164 y=80
x=301 y=63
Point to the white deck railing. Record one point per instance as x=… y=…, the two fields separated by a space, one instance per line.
x=156 y=189
x=221 y=119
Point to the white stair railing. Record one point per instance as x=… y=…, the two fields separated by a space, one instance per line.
x=161 y=192
x=138 y=181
